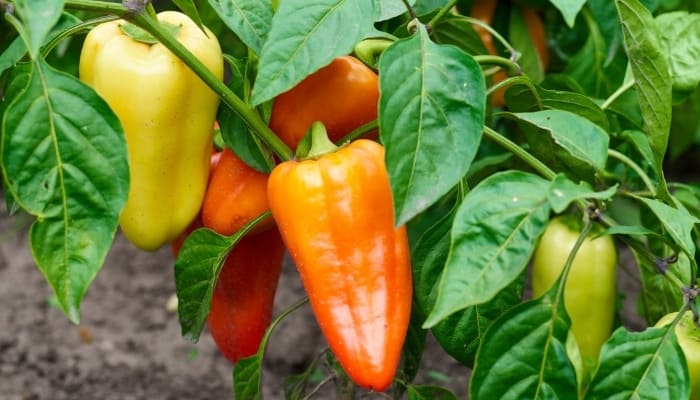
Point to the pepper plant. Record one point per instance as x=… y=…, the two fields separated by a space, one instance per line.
x=492 y=121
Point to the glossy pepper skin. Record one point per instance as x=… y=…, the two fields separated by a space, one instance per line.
x=689 y=339
x=589 y=292
x=484 y=10
x=344 y=95
x=236 y=195
x=167 y=114
x=336 y=217
x=242 y=303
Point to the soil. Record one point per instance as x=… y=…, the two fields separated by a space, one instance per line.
x=128 y=345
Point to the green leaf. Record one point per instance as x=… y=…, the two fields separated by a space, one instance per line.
x=581 y=138
x=641 y=365
x=591 y=68
x=234 y=131
x=17 y=49
x=678 y=223
x=429 y=392
x=412 y=349
x=39 y=17
x=521 y=99
x=306 y=35
x=527 y=345
x=247 y=373
x=250 y=20
x=387 y=9
x=247 y=378
x=639 y=140
x=63 y=157
x=431 y=113
x=458 y=31
x=529 y=59
x=651 y=73
x=459 y=334
x=569 y=9
x=295 y=385
x=659 y=295
x=197 y=268
x=680 y=40
x=563 y=192
x=493 y=236
x=689 y=196
x=190 y=9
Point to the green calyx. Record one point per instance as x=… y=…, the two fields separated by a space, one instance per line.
x=315 y=143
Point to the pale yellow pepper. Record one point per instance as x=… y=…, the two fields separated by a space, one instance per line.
x=167 y=114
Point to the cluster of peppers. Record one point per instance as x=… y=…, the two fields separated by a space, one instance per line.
x=332 y=210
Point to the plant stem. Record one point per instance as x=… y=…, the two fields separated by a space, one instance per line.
x=515 y=80
x=519 y=152
x=622 y=89
x=103 y=7
x=570 y=259
x=359 y=132
x=507 y=64
x=511 y=50
x=75 y=29
x=627 y=161
x=144 y=21
x=444 y=10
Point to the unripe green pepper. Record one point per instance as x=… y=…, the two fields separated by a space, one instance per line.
x=689 y=339
x=589 y=292
x=167 y=114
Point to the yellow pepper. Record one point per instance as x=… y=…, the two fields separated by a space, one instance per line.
x=167 y=114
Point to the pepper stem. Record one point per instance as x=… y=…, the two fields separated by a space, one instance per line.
x=320 y=143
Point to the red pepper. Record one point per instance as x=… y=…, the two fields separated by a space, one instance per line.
x=242 y=304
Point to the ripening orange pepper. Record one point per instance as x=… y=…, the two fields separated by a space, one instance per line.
x=344 y=95
x=236 y=195
x=336 y=216
x=484 y=11
x=242 y=302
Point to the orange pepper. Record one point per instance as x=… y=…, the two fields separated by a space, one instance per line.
x=344 y=95
x=336 y=216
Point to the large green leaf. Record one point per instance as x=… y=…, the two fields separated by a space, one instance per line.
x=457 y=30
x=306 y=35
x=677 y=221
x=590 y=67
x=651 y=73
x=64 y=161
x=528 y=60
x=250 y=20
x=527 y=345
x=459 y=334
x=39 y=17
x=680 y=40
x=569 y=9
x=658 y=295
x=520 y=98
x=431 y=116
x=493 y=236
x=387 y=9
x=197 y=269
x=579 y=137
x=641 y=365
